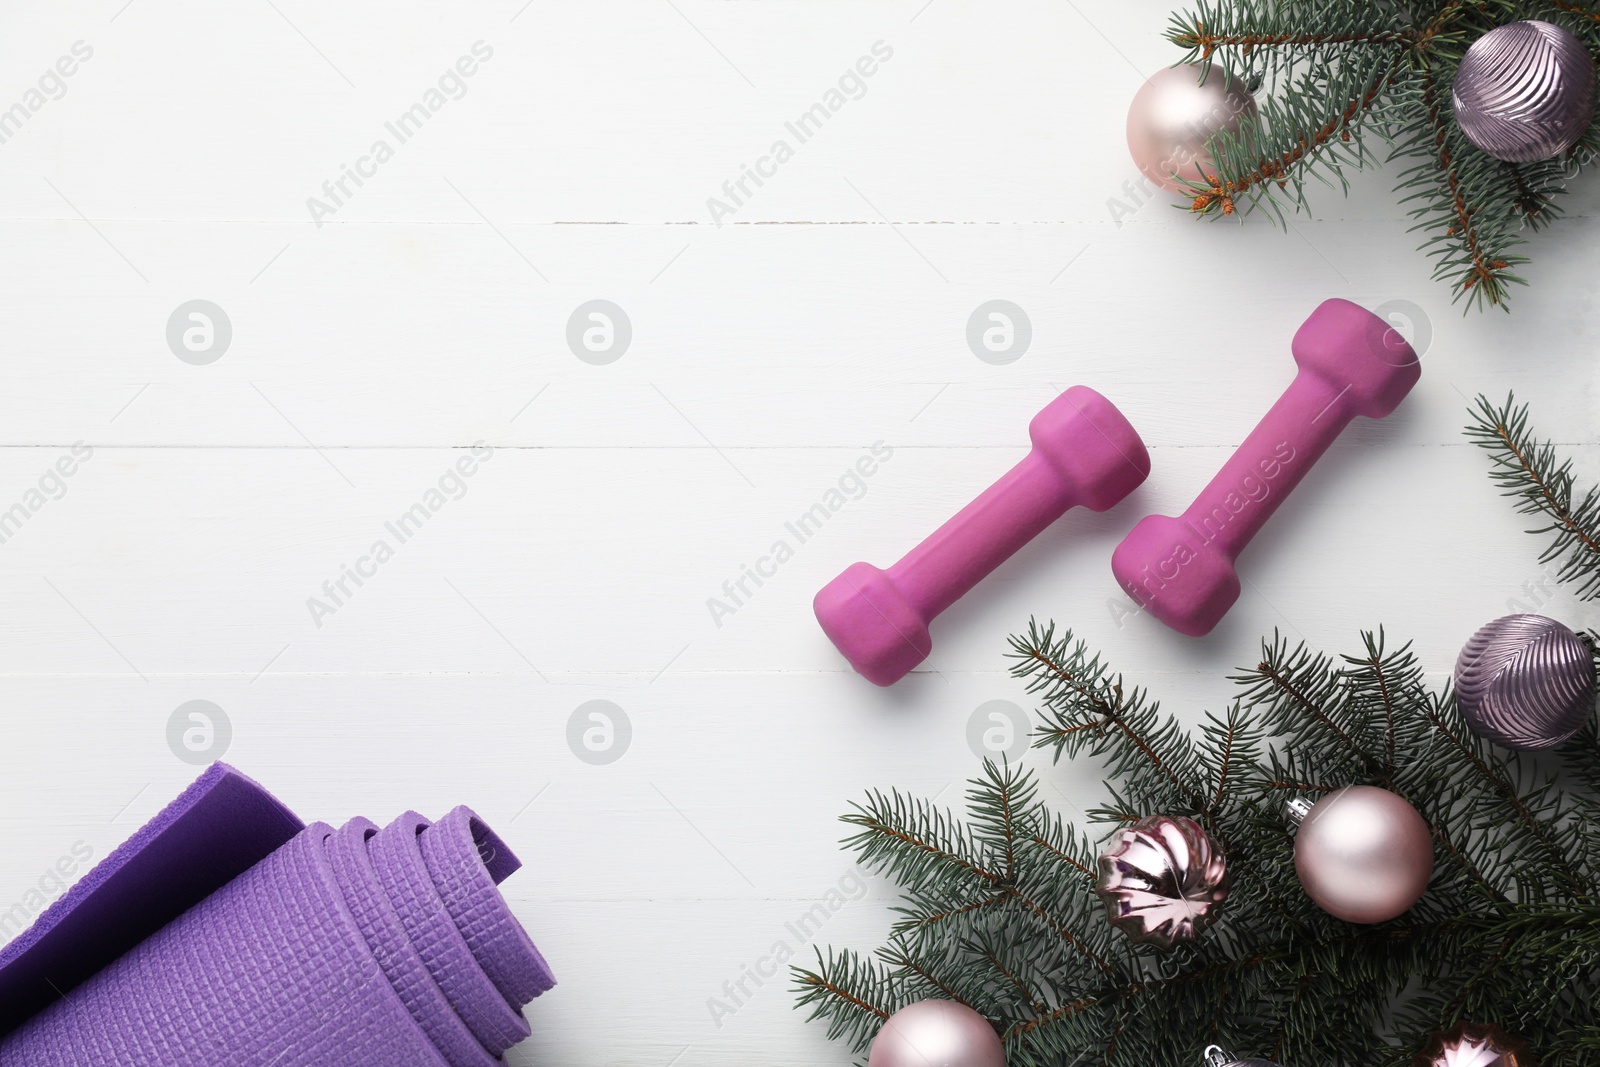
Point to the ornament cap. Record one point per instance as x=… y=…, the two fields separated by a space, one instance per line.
x=1298 y=809
x=1216 y=1056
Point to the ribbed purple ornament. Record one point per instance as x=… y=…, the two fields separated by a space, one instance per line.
x=1526 y=682
x=1525 y=91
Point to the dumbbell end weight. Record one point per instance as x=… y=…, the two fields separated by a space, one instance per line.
x=1176 y=575
x=1363 y=356
x=880 y=632
x=1098 y=455
x=1084 y=452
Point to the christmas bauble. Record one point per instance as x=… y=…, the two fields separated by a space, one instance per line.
x=1216 y=1057
x=1362 y=853
x=1175 y=113
x=1525 y=681
x=936 y=1033
x=1472 y=1045
x=1525 y=91
x=1162 y=880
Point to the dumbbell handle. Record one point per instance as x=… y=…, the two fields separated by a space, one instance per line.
x=984 y=534
x=1271 y=461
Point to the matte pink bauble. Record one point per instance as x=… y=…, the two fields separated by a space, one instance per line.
x=1362 y=853
x=936 y=1033
x=1175 y=113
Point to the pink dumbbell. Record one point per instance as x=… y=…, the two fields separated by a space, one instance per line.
x=1084 y=452
x=1182 y=570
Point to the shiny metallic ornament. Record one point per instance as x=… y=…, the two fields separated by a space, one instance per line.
x=1362 y=853
x=1162 y=880
x=1472 y=1045
x=1525 y=91
x=1175 y=113
x=1215 y=1057
x=936 y=1033
x=1525 y=681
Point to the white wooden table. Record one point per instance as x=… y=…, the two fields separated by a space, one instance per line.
x=428 y=312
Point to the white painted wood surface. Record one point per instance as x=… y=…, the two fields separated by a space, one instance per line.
x=429 y=312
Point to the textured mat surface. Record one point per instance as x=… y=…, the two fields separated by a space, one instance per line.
x=225 y=932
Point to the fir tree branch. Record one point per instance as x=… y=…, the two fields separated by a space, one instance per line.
x=1073 y=940
x=838 y=991
x=1299 y=689
x=1197 y=39
x=1579 y=10
x=999 y=910
x=1230 y=735
x=916 y=923
x=911 y=839
x=1481 y=268
x=909 y=964
x=824 y=985
x=1375 y=661
x=1065 y=1011
x=1270 y=151
x=1254 y=26
x=1054 y=849
x=1445 y=23
x=1503 y=791
x=1302 y=787
x=1007 y=975
x=1530 y=470
x=1465 y=863
x=1085 y=704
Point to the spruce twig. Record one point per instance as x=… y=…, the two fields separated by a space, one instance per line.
x=1531 y=471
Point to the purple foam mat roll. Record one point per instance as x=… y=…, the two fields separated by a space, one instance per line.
x=402 y=965
x=463 y=855
x=334 y=948
x=398 y=860
x=217 y=829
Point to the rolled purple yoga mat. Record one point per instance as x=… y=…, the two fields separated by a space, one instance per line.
x=227 y=932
